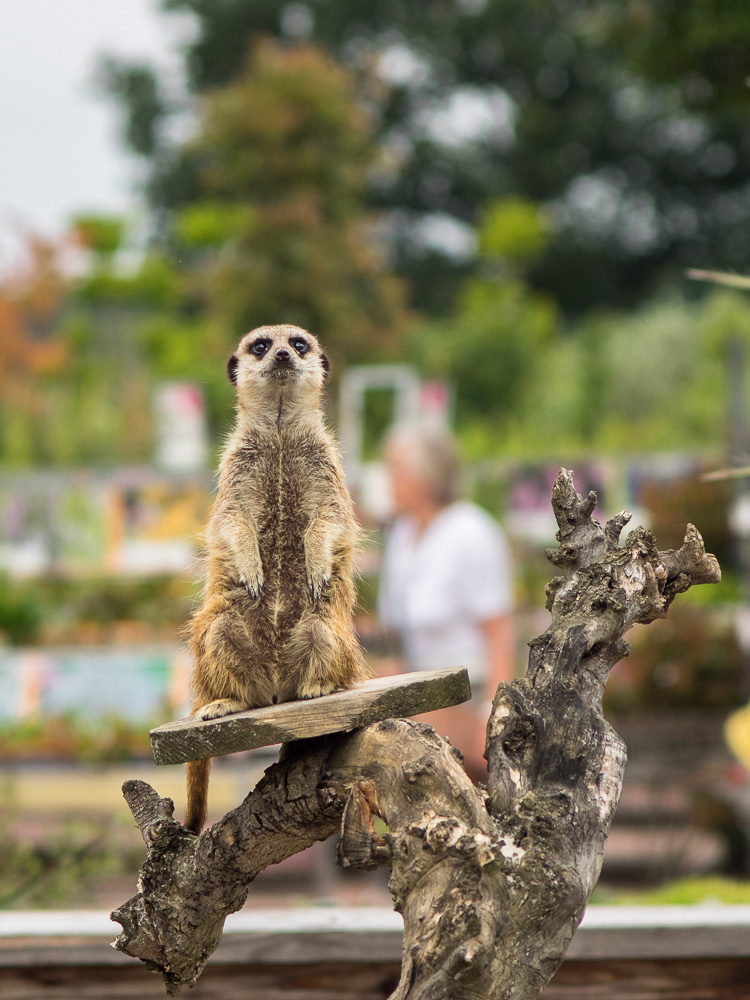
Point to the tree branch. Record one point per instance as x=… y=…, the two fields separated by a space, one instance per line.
x=491 y=883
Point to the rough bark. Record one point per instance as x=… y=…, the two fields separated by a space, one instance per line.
x=493 y=882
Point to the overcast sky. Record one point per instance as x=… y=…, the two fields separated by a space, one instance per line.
x=59 y=149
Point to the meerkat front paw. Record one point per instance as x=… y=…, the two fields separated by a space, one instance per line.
x=253 y=583
x=219 y=708
x=318 y=584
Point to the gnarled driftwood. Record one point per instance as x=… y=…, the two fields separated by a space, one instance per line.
x=493 y=882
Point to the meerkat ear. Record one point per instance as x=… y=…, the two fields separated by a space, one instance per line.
x=326 y=365
x=232 y=369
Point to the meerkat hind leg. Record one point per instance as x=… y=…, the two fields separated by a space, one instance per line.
x=317 y=659
x=219 y=708
x=314 y=689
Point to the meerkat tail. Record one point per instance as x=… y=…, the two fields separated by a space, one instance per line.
x=197 y=794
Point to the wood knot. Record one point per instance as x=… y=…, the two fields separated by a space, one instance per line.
x=413 y=770
x=360 y=846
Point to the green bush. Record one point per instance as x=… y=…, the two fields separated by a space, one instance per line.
x=20 y=613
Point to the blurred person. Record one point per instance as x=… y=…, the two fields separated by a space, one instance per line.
x=446 y=586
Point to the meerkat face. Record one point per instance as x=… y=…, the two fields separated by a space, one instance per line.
x=273 y=357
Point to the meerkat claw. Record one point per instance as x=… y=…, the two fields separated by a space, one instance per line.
x=254 y=589
x=317 y=587
x=219 y=708
x=317 y=692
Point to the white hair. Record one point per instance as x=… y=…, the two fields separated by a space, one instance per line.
x=434 y=457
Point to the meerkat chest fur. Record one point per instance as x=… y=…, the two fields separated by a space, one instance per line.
x=282 y=481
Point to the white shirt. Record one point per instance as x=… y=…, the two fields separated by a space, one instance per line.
x=437 y=587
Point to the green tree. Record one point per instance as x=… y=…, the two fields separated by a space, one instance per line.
x=74 y=387
x=491 y=350
x=624 y=117
x=278 y=232
x=271 y=225
x=528 y=384
x=653 y=379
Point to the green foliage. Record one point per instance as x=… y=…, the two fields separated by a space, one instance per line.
x=513 y=229
x=628 y=118
x=210 y=223
x=490 y=351
x=649 y=380
x=20 y=613
x=282 y=157
x=154 y=600
x=102 y=234
x=106 y=739
x=156 y=282
x=695 y=41
x=725 y=316
x=684 y=892
x=96 y=408
x=61 y=610
x=689 y=661
x=287 y=123
x=138 y=88
x=153 y=284
x=102 y=601
x=63 y=870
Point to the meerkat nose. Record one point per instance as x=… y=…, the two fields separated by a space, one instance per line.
x=283 y=354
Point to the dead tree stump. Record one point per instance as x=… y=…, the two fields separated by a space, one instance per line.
x=492 y=883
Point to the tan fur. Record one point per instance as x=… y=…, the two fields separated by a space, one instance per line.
x=276 y=622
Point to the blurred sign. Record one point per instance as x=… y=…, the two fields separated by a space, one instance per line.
x=77 y=523
x=152 y=526
x=182 y=440
x=413 y=401
x=131 y=683
x=435 y=402
x=356 y=383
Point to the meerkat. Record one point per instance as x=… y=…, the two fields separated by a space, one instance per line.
x=276 y=621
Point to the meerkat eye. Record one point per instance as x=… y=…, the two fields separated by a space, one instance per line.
x=301 y=346
x=259 y=348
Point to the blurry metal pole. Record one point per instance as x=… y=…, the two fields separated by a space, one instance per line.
x=737 y=428
x=737 y=403
x=355 y=383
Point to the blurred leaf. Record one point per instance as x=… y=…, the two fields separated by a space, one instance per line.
x=513 y=229
x=137 y=88
x=208 y=223
x=101 y=233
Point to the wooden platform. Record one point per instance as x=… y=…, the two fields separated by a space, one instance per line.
x=383 y=698
x=337 y=953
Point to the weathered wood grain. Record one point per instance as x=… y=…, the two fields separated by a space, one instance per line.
x=343 y=711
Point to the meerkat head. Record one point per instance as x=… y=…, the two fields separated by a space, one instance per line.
x=275 y=362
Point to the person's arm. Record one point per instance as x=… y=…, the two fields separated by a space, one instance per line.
x=498 y=633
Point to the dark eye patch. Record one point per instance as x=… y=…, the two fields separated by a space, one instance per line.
x=259 y=347
x=300 y=345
